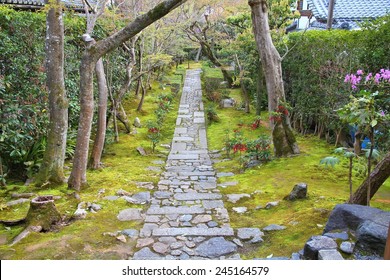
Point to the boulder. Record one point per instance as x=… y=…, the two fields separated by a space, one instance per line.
x=330 y=255
x=215 y=247
x=347 y=247
x=299 y=192
x=317 y=243
x=370 y=224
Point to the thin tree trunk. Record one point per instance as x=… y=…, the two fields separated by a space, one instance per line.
x=52 y=167
x=90 y=57
x=282 y=135
x=143 y=93
x=259 y=92
x=357 y=145
x=214 y=60
x=377 y=177
x=100 y=137
x=350 y=178
x=369 y=165
x=122 y=117
x=198 y=54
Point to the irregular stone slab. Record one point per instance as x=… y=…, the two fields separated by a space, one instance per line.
x=17 y=201
x=202 y=219
x=141 y=151
x=212 y=224
x=147 y=229
x=139 y=198
x=146 y=254
x=192 y=231
x=183 y=139
x=225 y=174
x=274 y=227
x=205 y=185
x=180 y=130
x=167 y=240
x=299 y=192
x=248 y=233
x=212 y=204
x=215 y=247
x=185 y=218
x=162 y=194
x=330 y=255
x=240 y=210
x=198 y=120
x=175 y=210
x=130 y=214
x=143 y=242
x=160 y=247
x=317 y=243
x=347 y=247
x=152 y=219
x=197 y=173
x=183 y=157
x=256 y=239
x=236 y=197
x=196 y=196
x=130 y=232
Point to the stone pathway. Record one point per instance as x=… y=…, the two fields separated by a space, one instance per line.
x=187 y=218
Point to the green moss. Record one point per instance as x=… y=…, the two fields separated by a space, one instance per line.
x=272 y=181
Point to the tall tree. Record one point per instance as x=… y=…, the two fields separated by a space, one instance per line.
x=93 y=52
x=282 y=134
x=52 y=168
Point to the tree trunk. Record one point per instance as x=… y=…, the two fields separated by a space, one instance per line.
x=198 y=54
x=100 y=137
x=259 y=92
x=90 y=57
x=122 y=117
x=206 y=49
x=357 y=145
x=52 y=168
x=283 y=137
x=369 y=163
x=143 y=93
x=378 y=176
x=43 y=212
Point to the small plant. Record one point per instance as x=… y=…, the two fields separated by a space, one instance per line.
x=153 y=134
x=260 y=148
x=211 y=113
x=256 y=123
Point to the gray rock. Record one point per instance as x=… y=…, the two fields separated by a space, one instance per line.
x=130 y=232
x=184 y=256
x=271 y=204
x=137 y=122
x=274 y=227
x=111 y=197
x=236 y=197
x=143 y=242
x=17 y=201
x=167 y=239
x=215 y=247
x=185 y=218
x=212 y=204
x=154 y=168
x=80 y=213
x=95 y=207
x=371 y=225
x=338 y=235
x=212 y=224
x=146 y=254
x=299 y=192
x=347 y=247
x=240 y=210
x=330 y=255
x=176 y=245
x=227 y=103
x=201 y=219
x=193 y=231
x=147 y=229
x=130 y=214
x=160 y=248
x=295 y=256
x=121 y=238
x=225 y=174
x=238 y=242
x=141 y=198
x=256 y=239
x=248 y=233
x=141 y=151
x=162 y=194
x=317 y=243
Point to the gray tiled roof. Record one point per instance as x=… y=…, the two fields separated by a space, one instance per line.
x=350 y=10
x=78 y=4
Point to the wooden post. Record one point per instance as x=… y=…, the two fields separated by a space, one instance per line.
x=330 y=14
x=387 y=249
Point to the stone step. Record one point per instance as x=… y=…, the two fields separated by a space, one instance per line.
x=193 y=231
x=197 y=196
x=175 y=210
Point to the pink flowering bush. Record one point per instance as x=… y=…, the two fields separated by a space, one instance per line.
x=361 y=79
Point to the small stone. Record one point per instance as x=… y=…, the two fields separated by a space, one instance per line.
x=111 y=197
x=274 y=227
x=238 y=242
x=271 y=204
x=199 y=239
x=152 y=219
x=212 y=224
x=317 y=243
x=240 y=210
x=160 y=247
x=236 y=197
x=201 y=219
x=121 y=238
x=122 y=192
x=186 y=224
x=146 y=254
x=133 y=233
x=176 y=245
x=167 y=239
x=190 y=244
x=295 y=256
x=80 y=214
x=347 y=247
x=137 y=122
x=299 y=192
x=184 y=256
x=141 y=151
x=130 y=214
x=96 y=207
x=248 y=233
x=143 y=242
x=256 y=239
x=176 y=253
x=330 y=255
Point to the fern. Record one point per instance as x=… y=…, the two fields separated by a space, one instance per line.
x=332 y=161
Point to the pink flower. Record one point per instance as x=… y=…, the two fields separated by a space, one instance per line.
x=369 y=76
x=377 y=78
x=347 y=78
x=359 y=72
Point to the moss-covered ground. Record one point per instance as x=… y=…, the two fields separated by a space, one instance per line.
x=273 y=180
x=123 y=167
